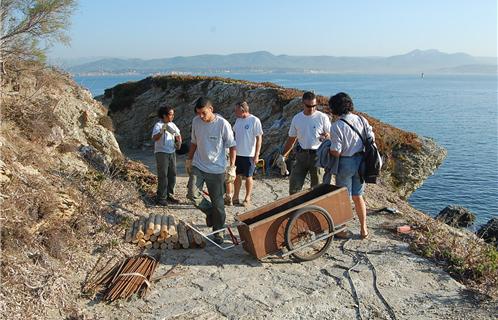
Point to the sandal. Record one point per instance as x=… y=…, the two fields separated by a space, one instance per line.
x=364 y=236
x=246 y=203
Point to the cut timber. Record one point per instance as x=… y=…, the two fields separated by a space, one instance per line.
x=182 y=235
x=164 y=227
x=160 y=240
x=156 y=245
x=141 y=229
x=198 y=239
x=190 y=235
x=150 y=224
x=172 y=229
x=171 y=245
x=148 y=245
x=141 y=243
x=129 y=236
x=153 y=238
x=146 y=237
x=157 y=225
x=164 y=246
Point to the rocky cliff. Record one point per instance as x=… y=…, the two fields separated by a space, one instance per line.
x=132 y=107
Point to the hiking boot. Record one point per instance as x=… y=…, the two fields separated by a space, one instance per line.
x=218 y=238
x=228 y=200
x=174 y=200
x=161 y=202
x=346 y=234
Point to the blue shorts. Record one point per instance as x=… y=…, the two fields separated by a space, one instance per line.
x=245 y=166
x=348 y=176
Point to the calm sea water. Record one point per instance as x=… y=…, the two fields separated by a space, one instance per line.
x=459 y=112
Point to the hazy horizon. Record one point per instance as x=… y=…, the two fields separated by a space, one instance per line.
x=156 y=29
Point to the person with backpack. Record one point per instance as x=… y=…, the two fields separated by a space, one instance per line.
x=347 y=136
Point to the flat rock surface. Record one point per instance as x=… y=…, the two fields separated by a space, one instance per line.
x=386 y=279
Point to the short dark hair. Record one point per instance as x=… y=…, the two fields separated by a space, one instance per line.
x=164 y=111
x=203 y=102
x=340 y=104
x=308 y=95
x=243 y=105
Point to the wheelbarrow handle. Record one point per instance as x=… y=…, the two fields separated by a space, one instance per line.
x=235 y=241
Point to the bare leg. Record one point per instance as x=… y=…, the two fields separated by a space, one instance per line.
x=361 y=211
x=248 y=189
x=237 y=185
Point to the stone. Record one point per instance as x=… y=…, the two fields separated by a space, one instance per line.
x=456 y=216
x=489 y=231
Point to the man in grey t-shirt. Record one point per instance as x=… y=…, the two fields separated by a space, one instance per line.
x=206 y=163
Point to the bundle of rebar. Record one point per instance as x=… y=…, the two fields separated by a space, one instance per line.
x=162 y=232
x=124 y=279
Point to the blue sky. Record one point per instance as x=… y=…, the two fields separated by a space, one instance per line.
x=159 y=29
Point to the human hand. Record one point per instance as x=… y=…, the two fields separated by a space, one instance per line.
x=324 y=136
x=230 y=174
x=188 y=166
x=280 y=162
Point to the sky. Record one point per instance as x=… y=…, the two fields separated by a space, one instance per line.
x=166 y=28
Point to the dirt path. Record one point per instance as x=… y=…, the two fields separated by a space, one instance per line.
x=388 y=280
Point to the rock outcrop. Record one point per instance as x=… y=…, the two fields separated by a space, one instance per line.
x=489 y=231
x=132 y=107
x=456 y=216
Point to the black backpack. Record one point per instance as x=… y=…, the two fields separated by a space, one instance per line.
x=372 y=161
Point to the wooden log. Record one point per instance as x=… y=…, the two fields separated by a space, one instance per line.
x=141 y=229
x=129 y=233
x=153 y=238
x=172 y=229
x=141 y=243
x=146 y=237
x=150 y=224
x=164 y=227
x=182 y=235
x=190 y=235
x=156 y=245
x=198 y=239
x=160 y=240
x=148 y=245
x=157 y=225
x=164 y=246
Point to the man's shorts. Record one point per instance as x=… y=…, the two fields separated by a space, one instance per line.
x=245 y=166
x=347 y=175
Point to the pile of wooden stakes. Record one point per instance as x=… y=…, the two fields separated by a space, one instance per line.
x=125 y=278
x=162 y=232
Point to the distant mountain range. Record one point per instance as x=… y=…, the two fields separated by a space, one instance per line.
x=416 y=61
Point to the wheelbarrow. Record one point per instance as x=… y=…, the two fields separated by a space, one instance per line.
x=301 y=225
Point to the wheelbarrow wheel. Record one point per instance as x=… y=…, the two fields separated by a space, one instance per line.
x=305 y=227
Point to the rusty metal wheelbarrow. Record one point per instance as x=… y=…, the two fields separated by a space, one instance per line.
x=301 y=225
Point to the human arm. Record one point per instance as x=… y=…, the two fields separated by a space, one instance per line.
x=259 y=141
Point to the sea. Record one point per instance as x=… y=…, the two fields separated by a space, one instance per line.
x=459 y=111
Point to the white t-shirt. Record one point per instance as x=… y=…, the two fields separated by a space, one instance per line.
x=246 y=130
x=167 y=142
x=307 y=129
x=211 y=139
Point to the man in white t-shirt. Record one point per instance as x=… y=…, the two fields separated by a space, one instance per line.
x=167 y=139
x=248 y=136
x=309 y=128
x=207 y=163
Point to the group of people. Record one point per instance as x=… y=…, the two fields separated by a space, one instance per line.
x=220 y=155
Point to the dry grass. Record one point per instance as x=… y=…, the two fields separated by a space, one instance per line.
x=467 y=259
x=53 y=220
